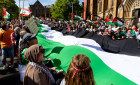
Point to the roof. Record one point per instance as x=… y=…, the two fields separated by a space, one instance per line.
x=38 y=2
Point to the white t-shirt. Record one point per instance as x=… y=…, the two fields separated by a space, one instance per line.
x=63 y=82
x=115 y=29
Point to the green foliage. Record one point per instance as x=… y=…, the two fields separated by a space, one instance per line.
x=11 y=7
x=63 y=9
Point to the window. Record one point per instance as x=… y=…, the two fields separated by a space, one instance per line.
x=112 y=2
x=36 y=7
x=100 y=6
x=108 y=4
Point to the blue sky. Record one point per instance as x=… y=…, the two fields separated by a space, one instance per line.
x=44 y=2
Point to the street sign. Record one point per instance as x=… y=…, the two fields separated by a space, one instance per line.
x=32 y=25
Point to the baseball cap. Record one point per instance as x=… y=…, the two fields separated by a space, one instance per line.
x=27 y=36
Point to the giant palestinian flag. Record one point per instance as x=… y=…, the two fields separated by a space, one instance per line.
x=108 y=68
x=6 y=15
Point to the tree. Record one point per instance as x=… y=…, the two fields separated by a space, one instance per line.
x=63 y=9
x=11 y=7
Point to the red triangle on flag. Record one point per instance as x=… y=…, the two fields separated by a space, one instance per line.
x=73 y=15
x=107 y=20
x=115 y=19
x=93 y=16
x=100 y=19
x=4 y=12
x=73 y=21
x=96 y=22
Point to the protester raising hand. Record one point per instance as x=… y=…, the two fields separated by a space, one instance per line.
x=6 y=44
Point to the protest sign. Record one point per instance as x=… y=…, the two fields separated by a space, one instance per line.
x=31 y=25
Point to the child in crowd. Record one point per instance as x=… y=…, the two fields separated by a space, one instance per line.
x=106 y=32
x=111 y=34
x=115 y=28
x=79 y=72
x=129 y=34
x=99 y=32
x=89 y=28
x=124 y=30
x=118 y=34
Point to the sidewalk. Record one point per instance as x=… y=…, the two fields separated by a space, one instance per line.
x=8 y=60
x=9 y=76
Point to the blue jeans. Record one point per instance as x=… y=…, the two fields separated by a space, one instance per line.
x=8 y=52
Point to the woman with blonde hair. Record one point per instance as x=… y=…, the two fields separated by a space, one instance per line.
x=79 y=72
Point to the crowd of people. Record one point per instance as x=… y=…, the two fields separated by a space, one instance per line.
x=14 y=39
x=114 y=32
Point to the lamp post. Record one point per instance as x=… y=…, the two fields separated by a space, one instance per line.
x=72 y=10
x=45 y=11
x=22 y=11
x=19 y=11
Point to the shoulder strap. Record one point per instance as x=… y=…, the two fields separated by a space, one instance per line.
x=2 y=35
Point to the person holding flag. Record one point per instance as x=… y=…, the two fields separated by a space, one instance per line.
x=6 y=44
x=25 y=12
x=117 y=21
x=6 y=15
x=108 y=21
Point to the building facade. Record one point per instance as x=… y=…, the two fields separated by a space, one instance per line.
x=39 y=10
x=127 y=10
x=108 y=8
x=90 y=9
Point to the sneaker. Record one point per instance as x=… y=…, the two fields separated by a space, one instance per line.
x=4 y=66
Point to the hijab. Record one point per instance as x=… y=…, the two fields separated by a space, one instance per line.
x=31 y=54
x=35 y=73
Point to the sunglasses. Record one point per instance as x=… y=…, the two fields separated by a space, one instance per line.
x=42 y=51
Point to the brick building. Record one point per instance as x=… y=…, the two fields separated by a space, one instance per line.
x=39 y=10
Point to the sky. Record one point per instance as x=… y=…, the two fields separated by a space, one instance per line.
x=43 y=2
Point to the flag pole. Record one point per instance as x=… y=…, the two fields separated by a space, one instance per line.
x=19 y=12
x=72 y=7
x=22 y=14
x=72 y=11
